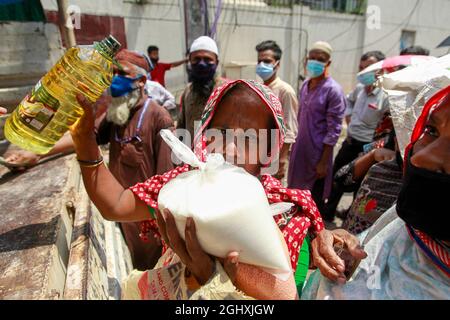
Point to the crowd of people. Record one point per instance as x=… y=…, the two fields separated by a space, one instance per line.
x=395 y=239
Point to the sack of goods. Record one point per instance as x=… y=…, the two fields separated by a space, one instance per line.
x=230 y=210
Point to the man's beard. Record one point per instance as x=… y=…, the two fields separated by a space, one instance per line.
x=119 y=111
x=203 y=88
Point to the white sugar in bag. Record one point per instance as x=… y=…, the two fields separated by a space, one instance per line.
x=230 y=210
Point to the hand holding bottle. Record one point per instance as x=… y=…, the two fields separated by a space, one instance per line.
x=83 y=132
x=84 y=128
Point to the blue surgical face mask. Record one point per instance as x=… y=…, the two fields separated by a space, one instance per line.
x=315 y=68
x=265 y=70
x=367 y=78
x=122 y=85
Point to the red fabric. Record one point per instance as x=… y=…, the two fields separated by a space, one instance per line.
x=295 y=225
x=92 y=27
x=134 y=58
x=405 y=60
x=428 y=109
x=303 y=217
x=159 y=72
x=437 y=249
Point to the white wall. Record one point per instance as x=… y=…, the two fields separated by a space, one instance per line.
x=242 y=26
x=159 y=23
x=342 y=31
x=429 y=20
x=28 y=51
x=242 y=29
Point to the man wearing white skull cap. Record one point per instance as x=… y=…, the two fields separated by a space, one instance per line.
x=202 y=67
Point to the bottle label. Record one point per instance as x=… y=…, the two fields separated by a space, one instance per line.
x=38 y=108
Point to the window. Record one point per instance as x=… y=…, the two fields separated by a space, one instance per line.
x=407 y=39
x=344 y=6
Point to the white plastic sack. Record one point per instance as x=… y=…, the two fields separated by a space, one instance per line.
x=409 y=89
x=230 y=210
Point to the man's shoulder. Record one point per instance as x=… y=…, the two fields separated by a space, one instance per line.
x=283 y=86
x=333 y=83
x=158 y=110
x=163 y=65
x=187 y=90
x=154 y=84
x=333 y=86
x=155 y=113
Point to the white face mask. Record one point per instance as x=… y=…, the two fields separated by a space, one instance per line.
x=119 y=110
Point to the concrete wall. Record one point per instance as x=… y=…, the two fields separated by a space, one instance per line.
x=160 y=23
x=245 y=23
x=54 y=244
x=342 y=31
x=240 y=29
x=28 y=51
x=429 y=19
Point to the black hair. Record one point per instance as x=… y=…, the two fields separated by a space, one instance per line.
x=390 y=140
x=376 y=54
x=270 y=45
x=150 y=49
x=415 y=50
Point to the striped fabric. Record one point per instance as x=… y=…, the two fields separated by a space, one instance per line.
x=433 y=249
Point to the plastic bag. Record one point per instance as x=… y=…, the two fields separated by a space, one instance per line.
x=409 y=89
x=230 y=210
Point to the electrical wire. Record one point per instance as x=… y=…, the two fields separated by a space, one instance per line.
x=345 y=31
x=402 y=24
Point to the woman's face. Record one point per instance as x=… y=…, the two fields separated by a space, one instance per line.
x=238 y=121
x=432 y=150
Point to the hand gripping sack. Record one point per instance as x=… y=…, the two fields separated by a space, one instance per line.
x=230 y=210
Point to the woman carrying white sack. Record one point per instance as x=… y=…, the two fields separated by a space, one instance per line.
x=238 y=104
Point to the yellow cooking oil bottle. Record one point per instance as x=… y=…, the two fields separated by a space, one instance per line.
x=46 y=113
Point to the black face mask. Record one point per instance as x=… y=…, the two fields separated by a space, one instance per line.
x=203 y=72
x=154 y=61
x=423 y=202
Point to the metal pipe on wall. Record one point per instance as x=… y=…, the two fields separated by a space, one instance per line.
x=68 y=31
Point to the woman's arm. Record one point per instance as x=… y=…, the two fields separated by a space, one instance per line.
x=112 y=200
x=365 y=162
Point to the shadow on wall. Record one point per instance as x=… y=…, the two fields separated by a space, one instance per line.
x=20 y=239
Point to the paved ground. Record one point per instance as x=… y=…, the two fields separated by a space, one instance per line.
x=347 y=198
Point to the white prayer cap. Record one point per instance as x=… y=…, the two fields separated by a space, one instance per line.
x=322 y=46
x=204 y=43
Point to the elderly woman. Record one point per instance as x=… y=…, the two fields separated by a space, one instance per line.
x=237 y=105
x=408 y=248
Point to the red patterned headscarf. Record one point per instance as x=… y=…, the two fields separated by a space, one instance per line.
x=267 y=96
x=295 y=224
